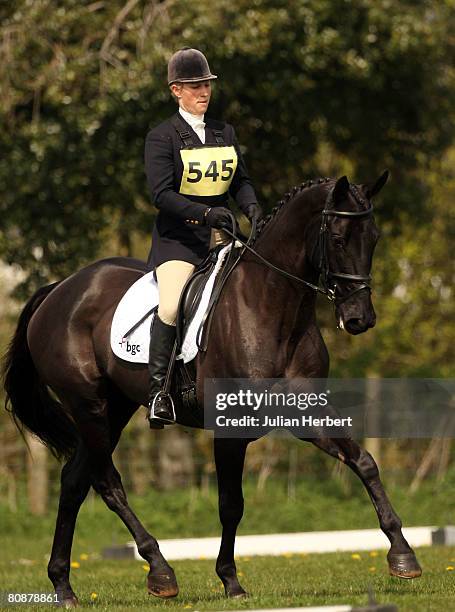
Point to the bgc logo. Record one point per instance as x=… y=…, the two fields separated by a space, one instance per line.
x=130 y=348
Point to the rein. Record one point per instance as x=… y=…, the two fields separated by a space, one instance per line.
x=267 y=262
x=328 y=288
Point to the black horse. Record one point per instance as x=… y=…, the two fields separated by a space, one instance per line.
x=264 y=327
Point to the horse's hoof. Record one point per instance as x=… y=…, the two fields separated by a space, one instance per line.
x=236 y=593
x=404 y=565
x=239 y=595
x=68 y=602
x=163 y=585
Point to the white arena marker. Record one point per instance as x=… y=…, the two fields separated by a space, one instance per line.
x=290 y=543
x=316 y=609
x=366 y=608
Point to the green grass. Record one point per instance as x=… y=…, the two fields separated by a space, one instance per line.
x=25 y=543
x=286 y=581
x=317 y=505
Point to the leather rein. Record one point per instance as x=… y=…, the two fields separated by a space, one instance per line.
x=328 y=284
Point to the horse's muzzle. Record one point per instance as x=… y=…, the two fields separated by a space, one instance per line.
x=358 y=325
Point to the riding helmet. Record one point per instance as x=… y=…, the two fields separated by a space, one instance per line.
x=188 y=66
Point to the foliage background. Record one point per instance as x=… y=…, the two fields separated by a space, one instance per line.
x=314 y=88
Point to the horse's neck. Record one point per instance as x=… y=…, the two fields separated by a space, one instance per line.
x=290 y=237
x=287 y=243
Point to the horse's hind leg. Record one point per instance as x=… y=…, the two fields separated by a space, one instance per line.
x=229 y=460
x=75 y=484
x=161 y=580
x=401 y=558
x=106 y=481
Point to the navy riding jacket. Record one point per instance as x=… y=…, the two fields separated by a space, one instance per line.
x=180 y=231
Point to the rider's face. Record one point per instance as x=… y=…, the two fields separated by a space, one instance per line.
x=193 y=97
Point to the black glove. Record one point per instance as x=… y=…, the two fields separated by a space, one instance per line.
x=254 y=211
x=219 y=217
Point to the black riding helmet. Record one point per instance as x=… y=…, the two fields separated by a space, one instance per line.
x=188 y=66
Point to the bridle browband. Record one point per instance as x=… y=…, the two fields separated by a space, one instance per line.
x=328 y=287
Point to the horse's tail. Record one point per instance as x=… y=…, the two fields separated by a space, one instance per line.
x=27 y=397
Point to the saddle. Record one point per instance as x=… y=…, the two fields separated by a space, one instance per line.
x=188 y=306
x=130 y=328
x=192 y=294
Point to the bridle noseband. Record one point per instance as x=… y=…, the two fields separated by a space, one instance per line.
x=328 y=287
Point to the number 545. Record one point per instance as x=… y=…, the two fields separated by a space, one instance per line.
x=227 y=171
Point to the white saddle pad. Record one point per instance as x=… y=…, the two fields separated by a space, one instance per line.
x=140 y=298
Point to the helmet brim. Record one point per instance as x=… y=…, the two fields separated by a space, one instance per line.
x=207 y=77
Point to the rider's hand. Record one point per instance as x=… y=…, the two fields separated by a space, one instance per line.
x=219 y=217
x=254 y=212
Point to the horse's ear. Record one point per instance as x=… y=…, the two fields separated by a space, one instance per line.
x=372 y=190
x=340 y=191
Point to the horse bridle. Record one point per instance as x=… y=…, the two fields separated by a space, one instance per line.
x=328 y=287
x=327 y=276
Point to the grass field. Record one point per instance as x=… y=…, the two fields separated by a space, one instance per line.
x=287 y=581
x=25 y=543
x=316 y=505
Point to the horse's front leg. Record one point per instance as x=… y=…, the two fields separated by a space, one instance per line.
x=401 y=558
x=229 y=460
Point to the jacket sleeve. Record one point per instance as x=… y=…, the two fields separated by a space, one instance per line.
x=241 y=188
x=159 y=167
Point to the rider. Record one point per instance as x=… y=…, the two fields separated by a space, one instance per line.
x=192 y=164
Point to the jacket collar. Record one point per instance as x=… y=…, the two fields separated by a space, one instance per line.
x=209 y=135
x=193 y=120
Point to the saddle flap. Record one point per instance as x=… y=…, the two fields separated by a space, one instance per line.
x=130 y=328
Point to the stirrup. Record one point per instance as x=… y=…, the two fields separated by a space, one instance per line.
x=155 y=419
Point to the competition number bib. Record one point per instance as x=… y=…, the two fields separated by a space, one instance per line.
x=207 y=171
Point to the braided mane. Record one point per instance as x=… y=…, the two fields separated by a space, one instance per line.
x=294 y=191
x=287 y=196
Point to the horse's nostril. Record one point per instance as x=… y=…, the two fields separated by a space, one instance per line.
x=356 y=325
x=356 y=322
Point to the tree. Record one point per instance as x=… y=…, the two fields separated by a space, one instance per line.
x=413 y=295
x=367 y=83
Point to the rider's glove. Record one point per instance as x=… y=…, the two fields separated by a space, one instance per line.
x=254 y=212
x=218 y=217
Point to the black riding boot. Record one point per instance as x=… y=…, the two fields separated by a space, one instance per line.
x=162 y=338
